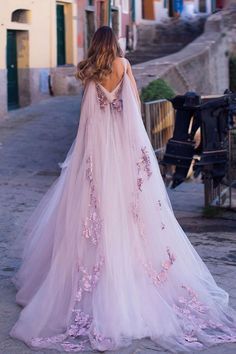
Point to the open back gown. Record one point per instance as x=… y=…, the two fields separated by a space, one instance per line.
x=105 y=260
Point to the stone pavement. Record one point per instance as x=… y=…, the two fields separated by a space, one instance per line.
x=32 y=142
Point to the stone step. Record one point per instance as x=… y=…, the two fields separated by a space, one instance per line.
x=167 y=37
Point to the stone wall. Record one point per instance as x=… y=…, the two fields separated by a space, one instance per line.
x=165 y=38
x=229 y=23
x=64 y=81
x=202 y=66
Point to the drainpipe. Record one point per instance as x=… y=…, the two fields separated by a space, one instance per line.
x=109 y=13
x=50 y=85
x=133 y=28
x=171 y=8
x=133 y=10
x=51 y=63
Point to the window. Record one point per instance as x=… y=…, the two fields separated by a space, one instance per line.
x=21 y=16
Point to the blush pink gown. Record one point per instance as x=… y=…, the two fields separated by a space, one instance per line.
x=105 y=260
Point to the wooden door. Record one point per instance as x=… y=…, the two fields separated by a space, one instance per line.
x=148 y=9
x=90 y=26
x=12 y=72
x=61 y=45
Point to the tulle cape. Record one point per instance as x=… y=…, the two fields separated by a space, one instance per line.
x=105 y=260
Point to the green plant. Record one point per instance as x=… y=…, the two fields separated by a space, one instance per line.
x=211 y=212
x=155 y=90
x=232 y=74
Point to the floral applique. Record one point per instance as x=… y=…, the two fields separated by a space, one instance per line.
x=143 y=171
x=88 y=280
x=161 y=276
x=159 y=208
x=102 y=99
x=144 y=167
x=196 y=318
x=116 y=104
x=81 y=323
x=92 y=225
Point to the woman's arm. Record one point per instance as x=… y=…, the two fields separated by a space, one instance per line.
x=133 y=82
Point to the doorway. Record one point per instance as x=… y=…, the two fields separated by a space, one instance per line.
x=61 y=40
x=202 y=6
x=115 y=21
x=90 y=18
x=12 y=71
x=148 y=10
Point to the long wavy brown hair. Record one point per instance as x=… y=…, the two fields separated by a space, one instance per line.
x=103 y=50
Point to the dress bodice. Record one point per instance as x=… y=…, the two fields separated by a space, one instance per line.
x=112 y=95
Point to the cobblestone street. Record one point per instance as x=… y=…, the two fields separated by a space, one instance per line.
x=33 y=141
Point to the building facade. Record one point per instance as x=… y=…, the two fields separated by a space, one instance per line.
x=147 y=11
x=37 y=45
x=95 y=13
x=41 y=43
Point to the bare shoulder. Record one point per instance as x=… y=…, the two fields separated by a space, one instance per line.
x=118 y=60
x=128 y=65
x=119 y=63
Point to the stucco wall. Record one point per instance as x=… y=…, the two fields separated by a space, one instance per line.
x=202 y=66
x=39 y=59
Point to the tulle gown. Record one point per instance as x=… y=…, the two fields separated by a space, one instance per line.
x=105 y=261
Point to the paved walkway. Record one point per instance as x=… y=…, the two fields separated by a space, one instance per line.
x=32 y=142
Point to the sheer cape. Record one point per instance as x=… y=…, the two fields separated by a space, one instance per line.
x=105 y=260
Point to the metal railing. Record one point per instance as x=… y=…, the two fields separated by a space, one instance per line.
x=158 y=118
x=224 y=195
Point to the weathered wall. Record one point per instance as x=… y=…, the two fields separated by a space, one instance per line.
x=202 y=66
x=229 y=23
x=36 y=48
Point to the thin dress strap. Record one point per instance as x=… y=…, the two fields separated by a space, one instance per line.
x=125 y=64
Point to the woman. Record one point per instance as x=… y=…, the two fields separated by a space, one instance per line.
x=105 y=260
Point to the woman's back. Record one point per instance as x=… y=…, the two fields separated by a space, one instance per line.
x=111 y=81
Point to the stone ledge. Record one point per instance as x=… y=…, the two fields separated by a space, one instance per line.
x=201 y=66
